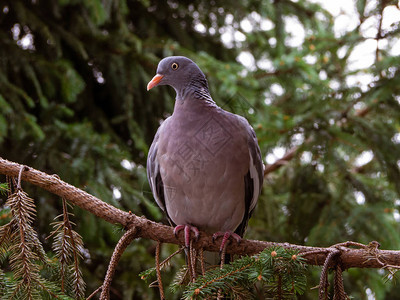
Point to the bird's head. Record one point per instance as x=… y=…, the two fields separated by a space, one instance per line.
x=178 y=72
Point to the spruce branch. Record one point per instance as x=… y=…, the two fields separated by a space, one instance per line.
x=323 y=283
x=219 y=279
x=5 y=240
x=166 y=262
x=19 y=243
x=123 y=243
x=151 y=230
x=339 y=292
x=158 y=271
x=68 y=246
x=294 y=151
x=289 y=155
x=280 y=271
x=22 y=256
x=21 y=246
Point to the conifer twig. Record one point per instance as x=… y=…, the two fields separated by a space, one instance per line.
x=189 y=260
x=193 y=260
x=339 y=293
x=158 y=271
x=123 y=243
x=76 y=243
x=201 y=256
x=223 y=254
x=94 y=293
x=9 y=180
x=222 y=277
x=19 y=177
x=323 y=283
x=170 y=256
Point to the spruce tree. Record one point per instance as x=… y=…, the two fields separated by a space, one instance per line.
x=73 y=103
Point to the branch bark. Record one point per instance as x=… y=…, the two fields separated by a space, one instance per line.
x=289 y=155
x=363 y=257
x=282 y=161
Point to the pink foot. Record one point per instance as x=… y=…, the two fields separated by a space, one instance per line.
x=225 y=237
x=187 y=229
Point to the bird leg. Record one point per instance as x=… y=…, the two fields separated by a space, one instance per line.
x=225 y=237
x=187 y=229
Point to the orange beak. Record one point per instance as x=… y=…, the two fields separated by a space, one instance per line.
x=154 y=82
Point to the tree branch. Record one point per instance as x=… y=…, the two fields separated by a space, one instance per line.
x=349 y=257
x=123 y=243
x=282 y=161
x=291 y=153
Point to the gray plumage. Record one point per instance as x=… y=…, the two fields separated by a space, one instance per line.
x=204 y=165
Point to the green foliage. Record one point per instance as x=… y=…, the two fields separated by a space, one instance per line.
x=3 y=188
x=21 y=248
x=73 y=102
x=276 y=273
x=68 y=249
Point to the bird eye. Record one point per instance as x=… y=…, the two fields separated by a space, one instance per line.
x=174 y=66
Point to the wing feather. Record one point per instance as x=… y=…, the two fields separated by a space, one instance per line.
x=154 y=175
x=253 y=180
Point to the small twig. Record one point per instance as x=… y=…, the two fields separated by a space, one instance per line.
x=124 y=242
x=313 y=252
x=46 y=289
x=289 y=155
x=171 y=256
x=282 y=161
x=348 y=244
x=54 y=231
x=362 y=112
x=339 y=293
x=68 y=228
x=379 y=33
x=323 y=282
x=9 y=180
x=372 y=249
x=21 y=169
x=94 y=293
x=158 y=271
x=189 y=261
x=201 y=255
x=223 y=254
x=192 y=257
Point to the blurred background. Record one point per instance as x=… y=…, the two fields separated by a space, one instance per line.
x=322 y=76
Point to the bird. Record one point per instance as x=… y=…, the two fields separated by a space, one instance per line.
x=204 y=165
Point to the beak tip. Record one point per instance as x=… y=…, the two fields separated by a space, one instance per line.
x=154 y=82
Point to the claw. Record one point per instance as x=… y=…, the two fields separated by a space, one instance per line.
x=177 y=229
x=187 y=229
x=225 y=237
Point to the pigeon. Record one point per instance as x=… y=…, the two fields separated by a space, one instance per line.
x=204 y=166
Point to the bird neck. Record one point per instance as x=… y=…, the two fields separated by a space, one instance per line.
x=196 y=90
x=196 y=102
